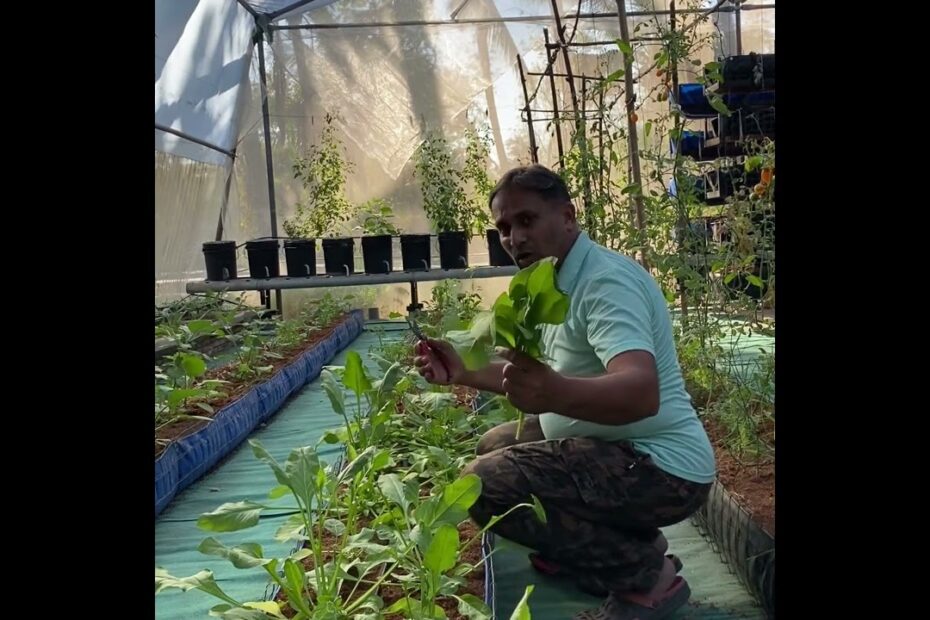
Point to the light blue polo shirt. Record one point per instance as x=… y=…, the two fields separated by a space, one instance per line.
x=617 y=306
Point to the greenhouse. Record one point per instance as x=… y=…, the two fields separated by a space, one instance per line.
x=464 y=309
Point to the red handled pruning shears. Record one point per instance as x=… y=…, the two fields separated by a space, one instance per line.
x=422 y=338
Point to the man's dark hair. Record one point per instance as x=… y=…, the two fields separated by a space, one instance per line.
x=534 y=178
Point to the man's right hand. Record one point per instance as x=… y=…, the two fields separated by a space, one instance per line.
x=438 y=362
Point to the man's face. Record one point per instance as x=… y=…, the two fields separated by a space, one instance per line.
x=530 y=227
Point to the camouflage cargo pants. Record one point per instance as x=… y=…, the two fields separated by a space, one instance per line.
x=604 y=502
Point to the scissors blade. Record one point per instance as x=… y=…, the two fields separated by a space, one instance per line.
x=415 y=329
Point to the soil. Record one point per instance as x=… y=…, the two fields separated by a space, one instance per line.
x=236 y=388
x=751 y=482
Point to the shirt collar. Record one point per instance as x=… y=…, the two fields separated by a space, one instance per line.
x=571 y=266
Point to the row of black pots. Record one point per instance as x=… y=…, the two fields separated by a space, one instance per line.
x=339 y=255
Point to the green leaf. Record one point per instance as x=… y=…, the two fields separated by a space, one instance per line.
x=526 y=334
x=355 y=378
x=413 y=609
x=295 y=576
x=393 y=374
x=201 y=326
x=239 y=613
x=302 y=470
x=335 y=527
x=218 y=610
x=472 y=344
x=292 y=529
x=662 y=58
x=246 y=555
x=331 y=437
x=538 y=509
x=503 y=305
x=178 y=396
x=269 y=607
x=505 y=329
x=422 y=537
x=334 y=390
x=394 y=490
x=752 y=163
x=625 y=47
x=434 y=400
x=541 y=278
x=440 y=455
x=433 y=511
x=193 y=365
x=201 y=581
x=263 y=455
x=472 y=350
x=231 y=517
x=473 y=607
x=357 y=464
x=550 y=306
x=754 y=280
x=402 y=604
x=381 y=460
x=440 y=556
x=717 y=103
x=616 y=75
x=522 y=610
x=459 y=495
x=517 y=290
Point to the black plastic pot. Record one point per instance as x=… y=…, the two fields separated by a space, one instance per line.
x=300 y=255
x=415 y=252
x=453 y=250
x=748 y=72
x=264 y=261
x=378 y=254
x=220 y=260
x=497 y=255
x=339 y=256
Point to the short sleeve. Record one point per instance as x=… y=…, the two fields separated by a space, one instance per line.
x=618 y=316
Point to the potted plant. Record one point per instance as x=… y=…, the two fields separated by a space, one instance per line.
x=452 y=215
x=475 y=177
x=323 y=209
x=378 y=232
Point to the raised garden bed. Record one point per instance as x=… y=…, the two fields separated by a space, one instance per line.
x=739 y=517
x=197 y=445
x=391 y=514
x=208 y=344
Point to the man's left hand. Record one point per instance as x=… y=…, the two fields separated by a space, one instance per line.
x=529 y=385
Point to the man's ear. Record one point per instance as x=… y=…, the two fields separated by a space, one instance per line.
x=569 y=211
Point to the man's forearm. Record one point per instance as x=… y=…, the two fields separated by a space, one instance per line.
x=613 y=398
x=488 y=379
